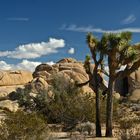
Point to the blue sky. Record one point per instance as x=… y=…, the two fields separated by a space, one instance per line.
x=35 y=31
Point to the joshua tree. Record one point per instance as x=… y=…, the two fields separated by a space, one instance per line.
x=94 y=76
x=119 y=53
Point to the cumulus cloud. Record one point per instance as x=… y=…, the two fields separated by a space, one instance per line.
x=34 y=50
x=130 y=19
x=71 y=51
x=24 y=65
x=86 y=29
x=5 y=66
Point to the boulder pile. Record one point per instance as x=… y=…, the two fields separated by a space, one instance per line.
x=68 y=68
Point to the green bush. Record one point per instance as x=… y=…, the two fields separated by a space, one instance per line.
x=23 y=98
x=23 y=126
x=68 y=104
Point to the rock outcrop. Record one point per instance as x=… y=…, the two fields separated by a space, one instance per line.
x=9 y=82
x=134 y=80
x=9 y=105
x=10 y=78
x=130 y=85
x=134 y=85
x=68 y=68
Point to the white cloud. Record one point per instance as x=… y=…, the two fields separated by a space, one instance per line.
x=50 y=63
x=5 y=66
x=86 y=29
x=71 y=51
x=24 y=65
x=4 y=53
x=130 y=19
x=27 y=65
x=18 y=19
x=34 y=50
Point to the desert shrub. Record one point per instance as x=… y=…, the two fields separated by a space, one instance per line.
x=23 y=126
x=129 y=129
x=72 y=109
x=68 y=104
x=23 y=98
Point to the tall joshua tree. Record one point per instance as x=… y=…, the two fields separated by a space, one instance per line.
x=93 y=45
x=119 y=52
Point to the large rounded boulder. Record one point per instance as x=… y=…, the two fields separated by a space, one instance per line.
x=134 y=85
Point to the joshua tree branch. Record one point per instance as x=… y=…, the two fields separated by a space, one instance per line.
x=104 y=72
x=82 y=84
x=128 y=71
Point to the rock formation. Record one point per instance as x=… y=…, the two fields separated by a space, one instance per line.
x=10 y=78
x=134 y=80
x=68 y=68
x=10 y=81
x=130 y=85
x=134 y=85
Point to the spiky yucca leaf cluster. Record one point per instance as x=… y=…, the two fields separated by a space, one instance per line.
x=118 y=48
x=92 y=42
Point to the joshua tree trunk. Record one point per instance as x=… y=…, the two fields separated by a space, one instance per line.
x=98 y=123
x=109 y=108
x=94 y=84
